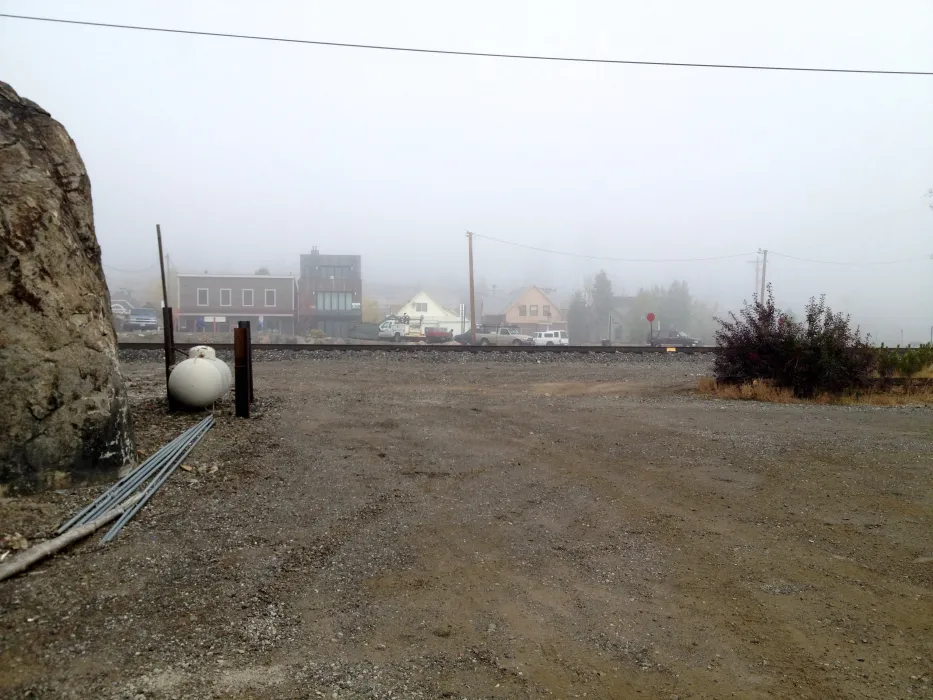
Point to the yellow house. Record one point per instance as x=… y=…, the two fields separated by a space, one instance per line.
x=529 y=308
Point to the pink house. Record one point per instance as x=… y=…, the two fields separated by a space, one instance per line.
x=528 y=308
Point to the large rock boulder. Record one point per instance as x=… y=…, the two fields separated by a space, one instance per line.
x=63 y=408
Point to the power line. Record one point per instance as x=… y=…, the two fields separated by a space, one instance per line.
x=131 y=272
x=478 y=54
x=608 y=259
x=845 y=264
x=683 y=260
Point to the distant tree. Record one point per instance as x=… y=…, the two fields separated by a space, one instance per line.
x=579 y=319
x=602 y=302
x=150 y=293
x=370 y=310
x=262 y=271
x=674 y=308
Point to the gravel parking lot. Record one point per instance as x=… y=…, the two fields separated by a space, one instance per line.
x=494 y=526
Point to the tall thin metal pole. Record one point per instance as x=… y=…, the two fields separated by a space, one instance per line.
x=764 y=269
x=162 y=267
x=168 y=325
x=472 y=293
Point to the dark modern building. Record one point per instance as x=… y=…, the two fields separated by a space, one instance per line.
x=330 y=293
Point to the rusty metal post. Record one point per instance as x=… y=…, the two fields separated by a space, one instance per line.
x=241 y=371
x=249 y=356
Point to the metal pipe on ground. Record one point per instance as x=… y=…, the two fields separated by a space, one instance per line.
x=49 y=547
x=126 y=484
x=178 y=447
x=157 y=482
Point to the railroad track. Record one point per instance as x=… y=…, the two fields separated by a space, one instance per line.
x=402 y=347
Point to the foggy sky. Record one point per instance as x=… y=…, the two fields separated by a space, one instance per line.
x=249 y=153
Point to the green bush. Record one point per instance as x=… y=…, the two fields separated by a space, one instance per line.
x=907 y=362
x=822 y=353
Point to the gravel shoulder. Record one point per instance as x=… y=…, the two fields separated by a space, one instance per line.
x=494 y=526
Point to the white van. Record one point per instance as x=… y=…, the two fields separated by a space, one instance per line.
x=552 y=338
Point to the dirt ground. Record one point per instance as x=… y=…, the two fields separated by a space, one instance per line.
x=403 y=528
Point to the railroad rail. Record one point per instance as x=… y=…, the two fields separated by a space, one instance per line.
x=438 y=347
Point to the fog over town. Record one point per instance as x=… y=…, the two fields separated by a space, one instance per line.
x=249 y=153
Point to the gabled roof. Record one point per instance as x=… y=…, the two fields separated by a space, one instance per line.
x=424 y=295
x=500 y=306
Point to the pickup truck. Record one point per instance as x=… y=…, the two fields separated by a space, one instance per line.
x=142 y=320
x=396 y=330
x=670 y=339
x=500 y=336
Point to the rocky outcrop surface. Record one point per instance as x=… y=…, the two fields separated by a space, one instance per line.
x=63 y=408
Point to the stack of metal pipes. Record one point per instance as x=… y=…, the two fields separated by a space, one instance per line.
x=147 y=478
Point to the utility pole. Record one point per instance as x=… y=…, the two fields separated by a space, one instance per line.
x=764 y=269
x=472 y=293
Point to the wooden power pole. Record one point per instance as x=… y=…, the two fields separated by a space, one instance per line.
x=472 y=293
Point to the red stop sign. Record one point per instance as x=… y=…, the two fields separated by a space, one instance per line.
x=650 y=318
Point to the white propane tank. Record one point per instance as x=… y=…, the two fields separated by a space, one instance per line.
x=196 y=382
x=208 y=353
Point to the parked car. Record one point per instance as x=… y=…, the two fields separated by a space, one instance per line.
x=668 y=339
x=464 y=338
x=552 y=338
x=142 y=320
x=438 y=335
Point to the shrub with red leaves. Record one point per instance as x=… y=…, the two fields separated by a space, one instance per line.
x=821 y=354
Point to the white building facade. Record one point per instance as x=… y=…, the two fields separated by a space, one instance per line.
x=435 y=315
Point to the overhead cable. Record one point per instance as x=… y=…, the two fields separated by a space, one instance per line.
x=846 y=264
x=611 y=259
x=475 y=54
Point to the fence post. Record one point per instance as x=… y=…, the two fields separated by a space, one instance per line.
x=241 y=371
x=168 y=339
x=249 y=356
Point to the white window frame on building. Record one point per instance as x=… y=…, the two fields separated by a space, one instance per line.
x=229 y=297
x=265 y=297
x=251 y=297
x=533 y=311
x=522 y=310
x=207 y=296
x=334 y=301
x=421 y=307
